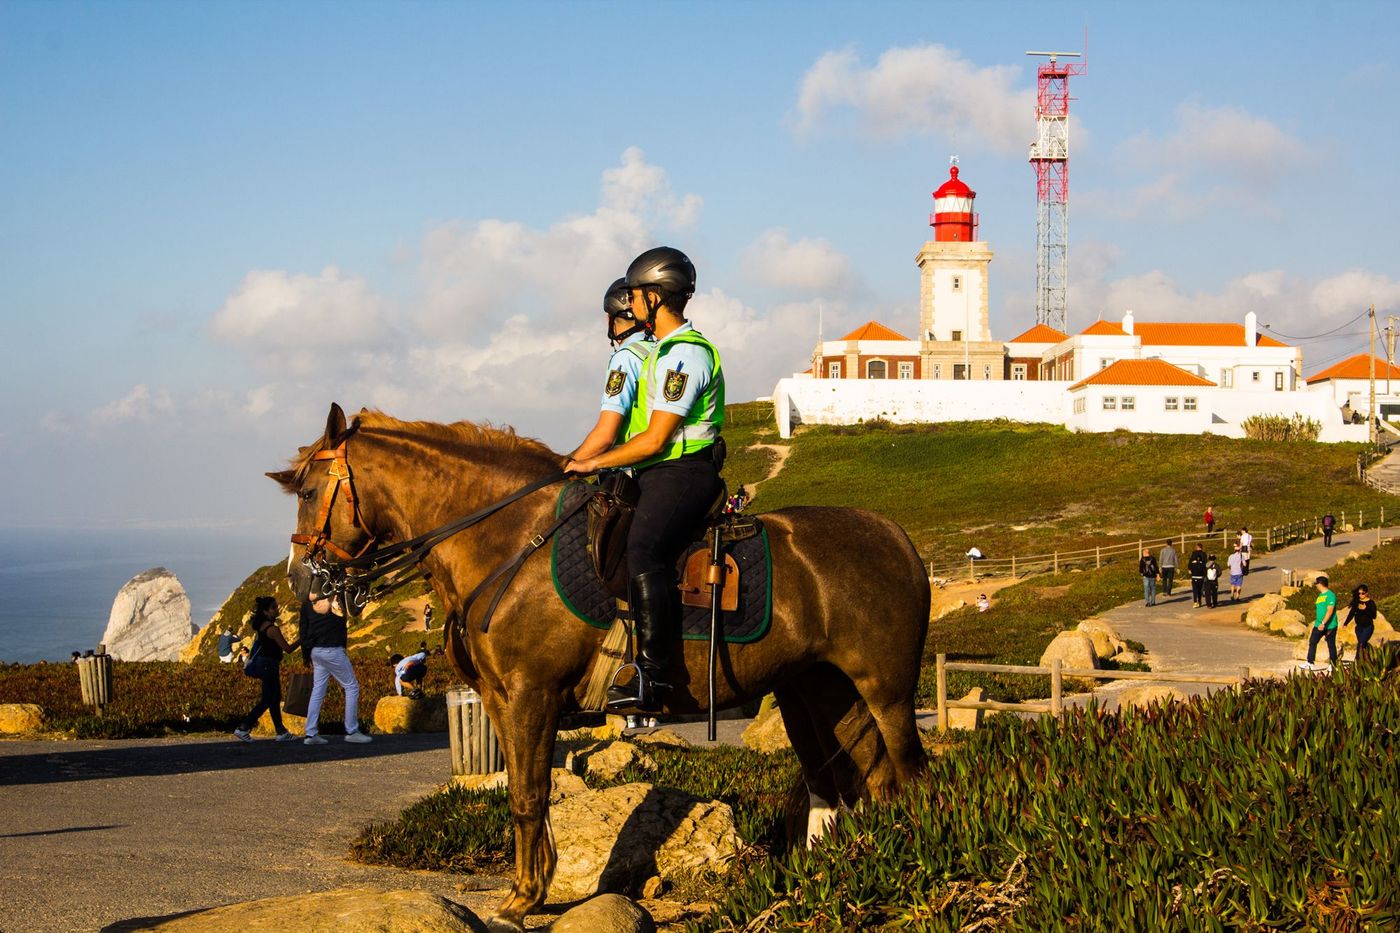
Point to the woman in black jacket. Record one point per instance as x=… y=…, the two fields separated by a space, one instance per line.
x=265 y=663
x=1196 y=569
x=1363 y=610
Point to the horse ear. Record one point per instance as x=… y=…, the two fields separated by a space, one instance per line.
x=284 y=478
x=335 y=425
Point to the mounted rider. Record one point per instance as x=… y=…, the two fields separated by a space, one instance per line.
x=632 y=345
x=672 y=441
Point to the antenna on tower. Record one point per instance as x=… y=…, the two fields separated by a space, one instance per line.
x=1049 y=156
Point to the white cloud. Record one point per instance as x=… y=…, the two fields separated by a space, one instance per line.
x=286 y=321
x=918 y=90
x=1227 y=139
x=807 y=266
x=140 y=404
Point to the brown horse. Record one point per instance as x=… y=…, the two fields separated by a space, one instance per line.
x=850 y=612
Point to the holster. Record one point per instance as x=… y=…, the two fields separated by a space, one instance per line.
x=610 y=514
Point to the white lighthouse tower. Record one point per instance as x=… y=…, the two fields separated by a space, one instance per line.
x=955 y=337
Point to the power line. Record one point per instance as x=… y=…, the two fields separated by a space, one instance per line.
x=1323 y=334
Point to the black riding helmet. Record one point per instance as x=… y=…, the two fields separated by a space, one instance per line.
x=617 y=303
x=668 y=271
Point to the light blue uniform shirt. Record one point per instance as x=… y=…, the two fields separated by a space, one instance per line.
x=624 y=368
x=690 y=361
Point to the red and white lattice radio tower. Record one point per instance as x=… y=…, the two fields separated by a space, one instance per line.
x=1050 y=159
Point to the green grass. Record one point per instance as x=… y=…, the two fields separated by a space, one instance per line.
x=1379 y=569
x=953 y=486
x=1276 y=808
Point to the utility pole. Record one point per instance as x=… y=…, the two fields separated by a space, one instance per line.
x=1389 y=349
x=1371 y=419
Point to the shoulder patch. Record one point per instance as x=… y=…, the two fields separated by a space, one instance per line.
x=616 y=380
x=674 y=386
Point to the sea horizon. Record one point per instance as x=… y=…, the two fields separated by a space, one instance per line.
x=59 y=584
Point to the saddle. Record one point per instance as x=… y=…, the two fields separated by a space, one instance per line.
x=610 y=512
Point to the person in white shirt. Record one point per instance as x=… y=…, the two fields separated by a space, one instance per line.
x=1246 y=543
x=411 y=670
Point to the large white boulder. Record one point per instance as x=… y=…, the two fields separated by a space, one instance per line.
x=1257 y=616
x=150 y=618
x=1107 y=641
x=1074 y=649
x=346 y=910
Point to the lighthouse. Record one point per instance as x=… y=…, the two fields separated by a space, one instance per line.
x=954 y=328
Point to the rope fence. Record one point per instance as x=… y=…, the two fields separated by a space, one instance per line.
x=1266 y=539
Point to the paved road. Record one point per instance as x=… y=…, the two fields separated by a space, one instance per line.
x=1180 y=638
x=95 y=832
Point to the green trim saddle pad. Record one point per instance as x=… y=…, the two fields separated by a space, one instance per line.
x=581 y=590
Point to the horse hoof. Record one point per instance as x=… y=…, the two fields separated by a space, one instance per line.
x=503 y=925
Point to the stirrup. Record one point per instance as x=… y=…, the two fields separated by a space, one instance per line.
x=640 y=693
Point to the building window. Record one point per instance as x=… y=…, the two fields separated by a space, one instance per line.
x=1254 y=377
x=1110 y=403
x=959 y=370
x=1278 y=382
x=1227 y=378
x=987 y=371
x=875 y=369
x=1018 y=372
x=1079 y=406
x=1105 y=362
x=1129 y=403
x=938 y=370
x=833 y=370
x=957 y=335
x=906 y=370
x=1188 y=403
x=1170 y=403
x=957 y=283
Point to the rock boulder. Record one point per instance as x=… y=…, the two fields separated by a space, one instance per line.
x=150 y=618
x=968 y=718
x=1073 y=648
x=767 y=733
x=1257 y=615
x=1145 y=695
x=608 y=762
x=617 y=838
x=1107 y=641
x=1284 y=619
x=396 y=715
x=606 y=913
x=347 y=910
x=20 y=717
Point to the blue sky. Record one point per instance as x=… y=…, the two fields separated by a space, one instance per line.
x=217 y=218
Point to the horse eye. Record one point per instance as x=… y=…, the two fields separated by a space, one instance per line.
x=306 y=494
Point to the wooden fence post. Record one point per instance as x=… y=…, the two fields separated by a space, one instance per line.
x=1098 y=562
x=1360 y=518
x=1244 y=675
x=971 y=570
x=1057 y=705
x=1183 y=542
x=1013 y=565
x=942 y=693
x=1057 y=562
x=1224 y=538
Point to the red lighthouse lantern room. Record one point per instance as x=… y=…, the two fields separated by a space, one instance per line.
x=953 y=219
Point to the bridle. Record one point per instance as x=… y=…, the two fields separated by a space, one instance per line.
x=396 y=564
x=339 y=480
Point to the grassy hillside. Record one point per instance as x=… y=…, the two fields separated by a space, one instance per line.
x=1030 y=489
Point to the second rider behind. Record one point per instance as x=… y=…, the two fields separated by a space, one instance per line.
x=634 y=345
x=671 y=436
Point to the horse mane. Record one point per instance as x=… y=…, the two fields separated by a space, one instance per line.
x=479 y=443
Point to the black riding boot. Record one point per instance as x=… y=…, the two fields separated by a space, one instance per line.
x=653 y=608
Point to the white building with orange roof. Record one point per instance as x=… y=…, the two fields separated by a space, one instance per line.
x=1348 y=385
x=1142 y=395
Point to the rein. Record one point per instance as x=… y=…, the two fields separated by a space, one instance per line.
x=353 y=575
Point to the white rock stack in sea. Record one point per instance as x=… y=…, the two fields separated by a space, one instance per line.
x=150 y=618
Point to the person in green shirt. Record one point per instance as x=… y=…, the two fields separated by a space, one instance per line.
x=1324 y=624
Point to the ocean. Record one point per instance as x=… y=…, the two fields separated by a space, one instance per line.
x=57 y=587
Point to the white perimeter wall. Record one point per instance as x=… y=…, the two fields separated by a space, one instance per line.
x=915 y=401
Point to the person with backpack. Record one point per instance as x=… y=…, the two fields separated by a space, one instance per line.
x=265 y=663
x=410 y=670
x=1329 y=522
x=1147 y=567
x=1196 y=569
x=1212 y=584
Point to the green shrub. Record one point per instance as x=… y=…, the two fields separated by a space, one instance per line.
x=1280 y=428
x=1275 y=808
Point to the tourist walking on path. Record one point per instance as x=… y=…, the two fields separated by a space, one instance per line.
x=1196 y=569
x=266 y=664
x=1324 y=623
x=1168 y=564
x=1329 y=522
x=1246 y=544
x=1210 y=519
x=323 y=633
x=1147 y=566
x=1212 y=582
x=1363 y=610
x=1236 y=566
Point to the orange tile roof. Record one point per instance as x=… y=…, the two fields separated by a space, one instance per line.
x=1174 y=334
x=1104 y=328
x=1355 y=367
x=874 y=330
x=1142 y=373
x=1040 y=333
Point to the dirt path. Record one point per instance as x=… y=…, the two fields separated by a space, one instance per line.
x=781 y=451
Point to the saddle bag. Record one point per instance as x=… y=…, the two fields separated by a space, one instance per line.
x=610 y=514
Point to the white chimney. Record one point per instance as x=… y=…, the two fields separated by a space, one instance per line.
x=1128 y=321
x=1251 y=329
